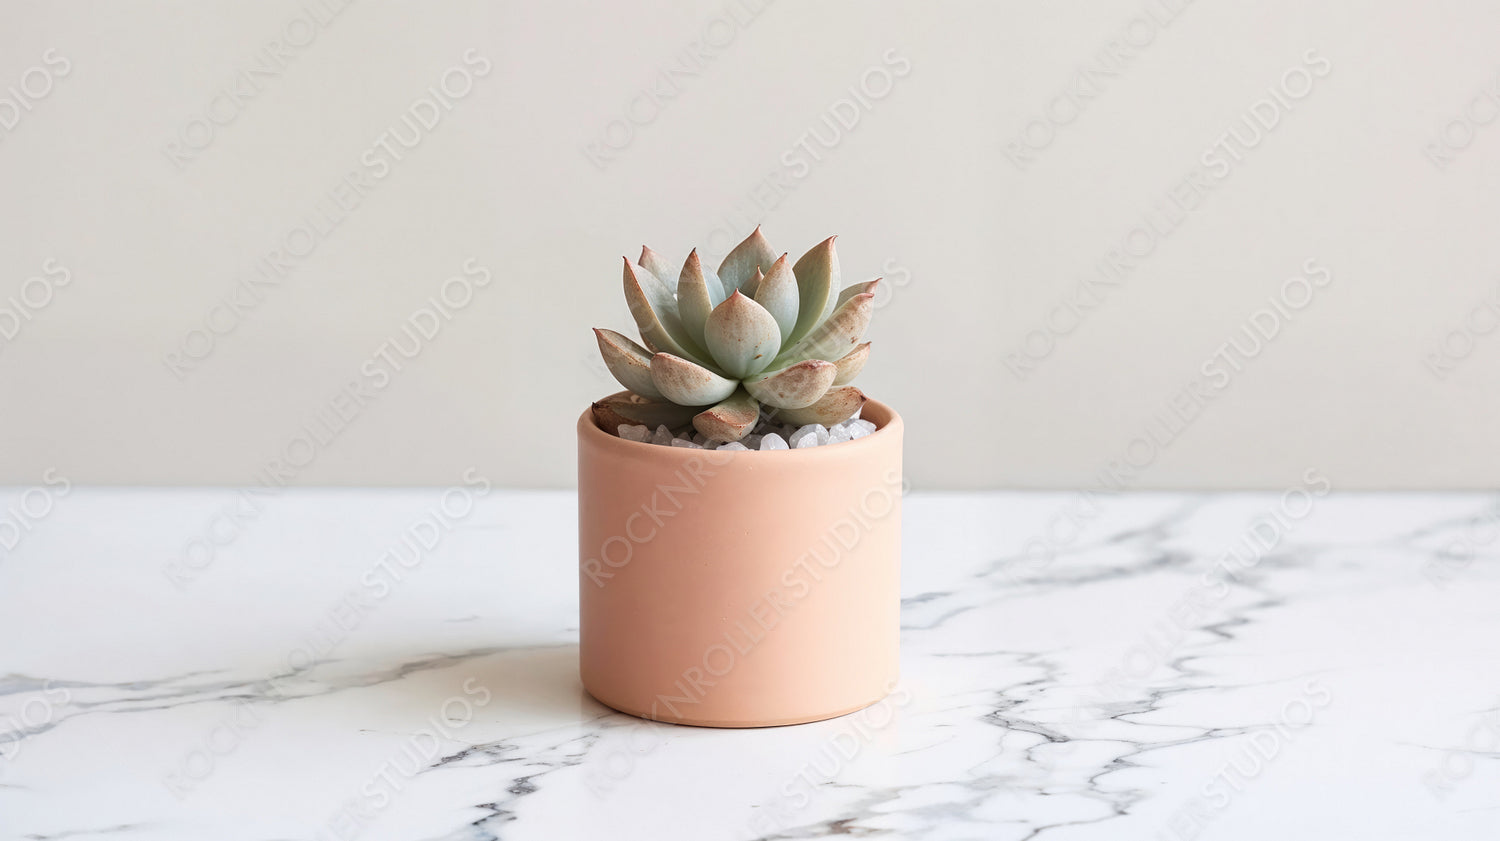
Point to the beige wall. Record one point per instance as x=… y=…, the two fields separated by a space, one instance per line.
x=213 y=235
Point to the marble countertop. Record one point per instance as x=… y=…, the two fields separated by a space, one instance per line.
x=402 y=664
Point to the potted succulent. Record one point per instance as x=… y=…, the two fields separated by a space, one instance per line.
x=739 y=502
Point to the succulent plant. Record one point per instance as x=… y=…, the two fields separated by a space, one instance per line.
x=719 y=345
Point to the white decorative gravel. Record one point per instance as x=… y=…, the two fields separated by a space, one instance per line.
x=767 y=435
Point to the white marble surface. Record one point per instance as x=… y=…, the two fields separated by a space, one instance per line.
x=1342 y=683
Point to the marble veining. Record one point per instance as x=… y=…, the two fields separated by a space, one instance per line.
x=1075 y=666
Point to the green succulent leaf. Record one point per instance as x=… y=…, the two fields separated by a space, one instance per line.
x=778 y=293
x=851 y=364
x=627 y=407
x=657 y=265
x=817 y=274
x=857 y=289
x=731 y=419
x=752 y=285
x=695 y=298
x=837 y=336
x=656 y=290
x=688 y=383
x=661 y=329
x=741 y=336
x=716 y=291
x=796 y=387
x=740 y=264
x=627 y=361
x=839 y=404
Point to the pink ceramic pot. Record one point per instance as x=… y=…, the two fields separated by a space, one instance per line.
x=740 y=589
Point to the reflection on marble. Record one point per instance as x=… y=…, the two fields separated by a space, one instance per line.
x=1299 y=665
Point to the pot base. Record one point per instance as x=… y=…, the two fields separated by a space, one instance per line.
x=704 y=722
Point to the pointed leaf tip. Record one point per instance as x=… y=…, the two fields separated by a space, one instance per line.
x=658 y=265
x=851 y=364
x=698 y=292
x=818 y=277
x=740 y=264
x=838 y=335
x=858 y=289
x=628 y=362
x=778 y=293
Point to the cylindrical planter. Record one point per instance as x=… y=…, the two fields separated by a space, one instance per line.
x=740 y=588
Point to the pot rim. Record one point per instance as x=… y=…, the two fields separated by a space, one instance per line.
x=893 y=425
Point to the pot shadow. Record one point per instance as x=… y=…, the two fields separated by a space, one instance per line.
x=537 y=684
x=520 y=686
